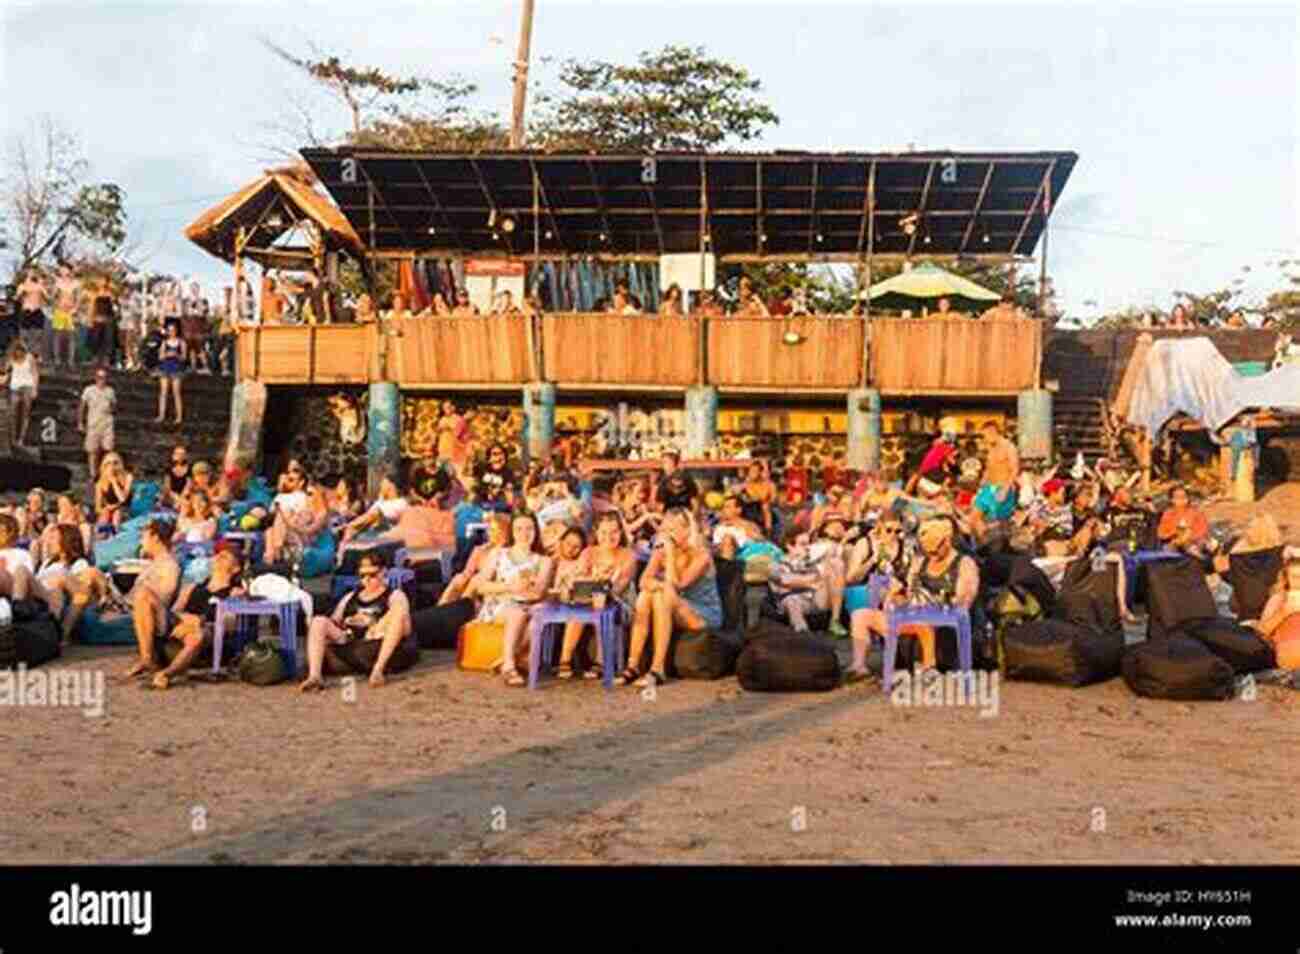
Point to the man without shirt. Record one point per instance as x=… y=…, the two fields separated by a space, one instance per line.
x=32 y=323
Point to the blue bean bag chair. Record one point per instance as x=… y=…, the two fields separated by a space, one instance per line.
x=124 y=545
x=144 y=497
x=318 y=559
x=759 y=548
x=94 y=631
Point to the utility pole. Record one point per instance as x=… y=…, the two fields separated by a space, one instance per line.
x=521 y=76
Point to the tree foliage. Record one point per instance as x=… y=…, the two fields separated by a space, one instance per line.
x=676 y=98
x=51 y=208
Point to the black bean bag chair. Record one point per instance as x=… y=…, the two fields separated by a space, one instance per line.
x=1087 y=598
x=1023 y=577
x=1176 y=594
x=1176 y=667
x=437 y=626
x=731 y=589
x=1058 y=651
x=794 y=663
x=359 y=657
x=33 y=637
x=703 y=655
x=1251 y=576
x=771 y=610
x=1239 y=646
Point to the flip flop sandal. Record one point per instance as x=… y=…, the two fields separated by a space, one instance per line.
x=594 y=672
x=652 y=678
x=853 y=676
x=627 y=677
x=564 y=671
x=513 y=678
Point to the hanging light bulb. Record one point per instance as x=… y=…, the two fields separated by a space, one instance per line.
x=604 y=237
x=496 y=236
x=986 y=238
x=820 y=237
x=762 y=237
x=927 y=240
x=548 y=233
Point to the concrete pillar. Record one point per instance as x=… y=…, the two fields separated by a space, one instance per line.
x=701 y=420
x=539 y=421
x=1034 y=430
x=383 y=434
x=247 y=412
x=864 y=429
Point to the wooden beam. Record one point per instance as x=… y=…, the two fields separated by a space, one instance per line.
x=921 y=216
x=437 y=206
x=1038 y=198
x=812 y=211
x=760 y=220
x=487 y=194
x=988 y=177
x=600 y=201
x=654 y=212
x=736 y=211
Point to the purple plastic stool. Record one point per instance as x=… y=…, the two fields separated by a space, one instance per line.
x=930 y=616
x=606 y=623
x=246 y=610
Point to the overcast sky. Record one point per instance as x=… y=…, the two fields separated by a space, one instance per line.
x=1184 y=118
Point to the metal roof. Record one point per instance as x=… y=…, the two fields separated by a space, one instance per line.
x=781 y=205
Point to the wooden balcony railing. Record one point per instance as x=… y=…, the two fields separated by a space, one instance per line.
x=756 y=353
x=427 y=352
x=810 y=354
x=310 y=354
x=642 y=350
x=957 y=355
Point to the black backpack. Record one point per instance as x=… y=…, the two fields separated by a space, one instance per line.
x=262 y=663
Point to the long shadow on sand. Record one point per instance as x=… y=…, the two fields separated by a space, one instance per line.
x=540 y=786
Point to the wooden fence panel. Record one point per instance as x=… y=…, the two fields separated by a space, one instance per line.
x=621 y=349
x=487 y=350
x=754 y=352
x=911 y=355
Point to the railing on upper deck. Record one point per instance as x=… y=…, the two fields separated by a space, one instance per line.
x=809 y=354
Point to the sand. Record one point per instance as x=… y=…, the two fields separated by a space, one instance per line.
x=448 y=766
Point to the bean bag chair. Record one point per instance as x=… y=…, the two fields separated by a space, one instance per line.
x=793 y=663
x=703 y=655
x=318 y=559
x=144 y=497
x=124 y=545
x=1251 y=576
x=731 y=590
x=1053 y=650
x=32 y=638
x=771 y=609
x=437 y=626
x=1176 y=594
x=1089 y=598
x=1239 y=646
x=359 y=657
x=1176 y=667
x=92 y=630
x=1286 y=643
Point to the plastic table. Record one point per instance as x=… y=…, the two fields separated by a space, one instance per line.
x=606 y=623
x=252 y=540
x=247 y=610
x=930 y=616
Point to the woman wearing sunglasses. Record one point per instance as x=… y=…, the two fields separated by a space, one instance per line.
x=369 y=631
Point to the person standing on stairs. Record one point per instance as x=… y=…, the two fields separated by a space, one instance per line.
x=24 y=384
x=95 y=417
x=171 y=366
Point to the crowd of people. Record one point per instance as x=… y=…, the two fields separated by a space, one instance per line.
x=660 y=546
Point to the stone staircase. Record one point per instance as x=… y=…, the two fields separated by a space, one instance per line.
x=142 y=443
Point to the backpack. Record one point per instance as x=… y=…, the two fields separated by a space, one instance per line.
x=1007 y=610
x=262 y=663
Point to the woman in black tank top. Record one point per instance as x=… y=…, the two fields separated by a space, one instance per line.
x=197 y=613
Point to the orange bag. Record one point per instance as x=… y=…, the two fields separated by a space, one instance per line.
x=480 y=646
